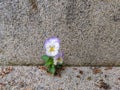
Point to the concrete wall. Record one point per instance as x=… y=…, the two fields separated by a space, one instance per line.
x=89 y=30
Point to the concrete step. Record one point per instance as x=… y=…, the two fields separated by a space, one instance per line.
x=89 y=30
x=71 y=78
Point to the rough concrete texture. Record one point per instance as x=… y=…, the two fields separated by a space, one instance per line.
x=89 y=30
x=72 y=78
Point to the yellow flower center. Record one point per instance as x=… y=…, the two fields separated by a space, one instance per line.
x=52 y=49
x=59 y=60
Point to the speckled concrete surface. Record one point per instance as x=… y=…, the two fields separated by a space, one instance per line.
x=72 y=78
x=89 y=30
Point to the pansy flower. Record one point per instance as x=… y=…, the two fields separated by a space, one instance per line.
x=53 y=59
x=52 y=46
x=58 y=59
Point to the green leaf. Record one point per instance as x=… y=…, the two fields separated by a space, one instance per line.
x=48 y=63
x=45 y=58
x=52 y=69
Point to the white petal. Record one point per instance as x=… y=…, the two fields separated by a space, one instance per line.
x=54 y=53
x=57 y=45
x=55 y=62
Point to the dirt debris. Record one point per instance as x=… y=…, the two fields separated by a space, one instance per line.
x=96 y=70
x=102 y=84
x=81 y=72
x=5 y=71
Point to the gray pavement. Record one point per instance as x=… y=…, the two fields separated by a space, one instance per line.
x=71 y=78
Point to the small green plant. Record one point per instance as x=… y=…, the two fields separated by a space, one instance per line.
x=53 y=58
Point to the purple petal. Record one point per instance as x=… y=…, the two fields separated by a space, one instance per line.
x=46 y=42
x=54 y=38
x=59 y=55
x=51 y=39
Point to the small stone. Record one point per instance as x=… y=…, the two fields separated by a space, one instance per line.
x=89 y=78
x=105 y=76
x=29 y=88
x=80 y=71
x=60 y=89
x=108 y=68
x=40 y=88
x=78 y=76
